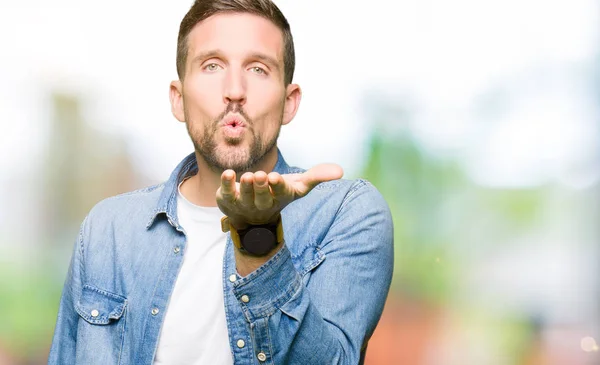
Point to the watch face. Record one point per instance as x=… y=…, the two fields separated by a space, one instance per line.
x=259 y=241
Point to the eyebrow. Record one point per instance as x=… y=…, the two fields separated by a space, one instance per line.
x=270 y=61
x=206 y=55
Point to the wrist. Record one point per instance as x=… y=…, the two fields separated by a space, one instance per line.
x=256 y=240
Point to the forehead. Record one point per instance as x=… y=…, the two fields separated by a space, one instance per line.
x=236 y=34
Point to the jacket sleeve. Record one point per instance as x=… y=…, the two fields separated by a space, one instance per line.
x=63 y=346
x=328 y=316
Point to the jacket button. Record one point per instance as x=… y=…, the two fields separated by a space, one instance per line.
x=261 y=356
x=95 y=313
x=233 y=277
x=245 y=298
x=176 y=250
x=154 y=311
x=241 y=343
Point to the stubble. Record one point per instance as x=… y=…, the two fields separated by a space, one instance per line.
x=231 y=154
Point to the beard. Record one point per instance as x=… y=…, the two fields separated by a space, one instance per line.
x=232 y=154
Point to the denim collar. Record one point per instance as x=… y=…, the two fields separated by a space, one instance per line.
x=167 y=202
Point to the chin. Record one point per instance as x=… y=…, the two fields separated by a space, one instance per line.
x=233 y=157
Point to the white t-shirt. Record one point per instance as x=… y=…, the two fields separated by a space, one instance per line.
x=194 y=331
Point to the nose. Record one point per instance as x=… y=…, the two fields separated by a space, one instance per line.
x=235 y=87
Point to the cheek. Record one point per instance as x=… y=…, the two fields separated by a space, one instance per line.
x=203 y=95
x=267 y=102
x=267 y=117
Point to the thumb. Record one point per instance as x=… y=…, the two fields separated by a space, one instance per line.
x=320 y=173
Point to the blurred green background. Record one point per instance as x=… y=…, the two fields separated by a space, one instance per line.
x=478 y=121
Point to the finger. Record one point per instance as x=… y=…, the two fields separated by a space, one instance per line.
x=321 y=173
x=277 y=184
x=228 y=185
x=247 y=189
x=262 y=194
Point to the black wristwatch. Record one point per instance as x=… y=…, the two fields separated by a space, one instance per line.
x=256 y=240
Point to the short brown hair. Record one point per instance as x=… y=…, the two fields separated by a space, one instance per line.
x=202 y=9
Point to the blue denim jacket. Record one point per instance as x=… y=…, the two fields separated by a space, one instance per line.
x=317 y=301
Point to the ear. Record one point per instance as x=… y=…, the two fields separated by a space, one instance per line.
x=293 y=94
x=176 y=96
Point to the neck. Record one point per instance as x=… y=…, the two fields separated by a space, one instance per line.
x=201 y=189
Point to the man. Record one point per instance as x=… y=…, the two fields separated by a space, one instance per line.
x=301 y=274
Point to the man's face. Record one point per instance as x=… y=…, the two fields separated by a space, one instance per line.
x=233 y=95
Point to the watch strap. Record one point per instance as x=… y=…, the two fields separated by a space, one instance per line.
x=226 y=226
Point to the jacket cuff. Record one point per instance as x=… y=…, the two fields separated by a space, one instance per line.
x=269 y=287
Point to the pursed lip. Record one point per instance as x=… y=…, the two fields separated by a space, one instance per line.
x=233 y=120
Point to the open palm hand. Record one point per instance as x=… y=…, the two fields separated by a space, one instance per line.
x=259 y=197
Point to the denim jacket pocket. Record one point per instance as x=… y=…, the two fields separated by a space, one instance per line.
x=100 y=334
x=97 y=306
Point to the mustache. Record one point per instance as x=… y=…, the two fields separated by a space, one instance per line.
x=234 y=108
